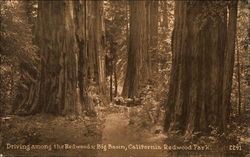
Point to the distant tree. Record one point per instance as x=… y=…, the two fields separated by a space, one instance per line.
x=115 y=28
x=203 y=50
x=152 y=26
x=137 y=67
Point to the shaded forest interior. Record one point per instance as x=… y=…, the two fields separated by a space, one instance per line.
x=180 y=69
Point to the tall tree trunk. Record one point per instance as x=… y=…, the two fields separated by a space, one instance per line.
x=239 y=81
x=137 y=70
x=238 y=77
x=229 y=62
x=81 y=15
x=70 y=35
x=152 y=21
x=96 y=40
x=198 y=78
x=115 y=76
x=152 y=30
x=56 y=33
x=111 y=80
x=90 y=41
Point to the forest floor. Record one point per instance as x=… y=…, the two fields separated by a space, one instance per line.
x=47 y=135
x=113 y=133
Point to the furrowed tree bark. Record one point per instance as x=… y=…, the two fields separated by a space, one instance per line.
x=239 y=81
x=80 y=13
x=70 y=35
x=90 y=40
x=200 y=72
x=57 y=43
x=96 y=47
x=152 y=30
x=95 y=44
x=238 y=78
x=152 y=25
x=137 y=68
x=229 y=62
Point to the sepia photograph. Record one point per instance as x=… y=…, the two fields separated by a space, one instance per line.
x=124 y=78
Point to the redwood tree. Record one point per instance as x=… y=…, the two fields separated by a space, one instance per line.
x=58 y=49
x=201 y=74
x=90 y=40
x=70 y=38
x=137 y=67
x=152 y=24
x=95 y=44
